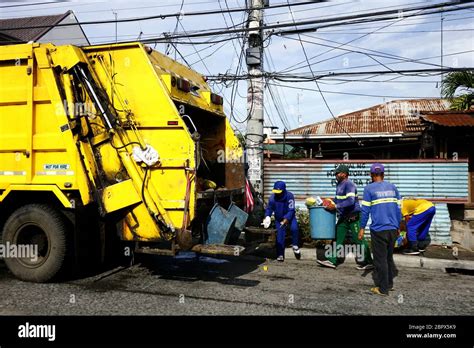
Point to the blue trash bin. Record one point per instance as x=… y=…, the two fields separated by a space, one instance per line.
x=322 y=223
x=219 y=226
x=242 y=217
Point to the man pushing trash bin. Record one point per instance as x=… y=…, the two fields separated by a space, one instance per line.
x=347 y=205
x=282 y=203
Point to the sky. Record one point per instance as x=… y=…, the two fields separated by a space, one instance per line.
x=294 y=103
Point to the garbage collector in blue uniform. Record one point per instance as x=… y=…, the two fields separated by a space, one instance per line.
x=282 y=203
x=348 y=209
x=382 y=203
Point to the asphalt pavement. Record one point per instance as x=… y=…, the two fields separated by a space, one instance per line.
x=199 y=285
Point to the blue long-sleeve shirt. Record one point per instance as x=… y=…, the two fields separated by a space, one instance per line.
x=346 y=198
x=382 y=202
x=283 y=207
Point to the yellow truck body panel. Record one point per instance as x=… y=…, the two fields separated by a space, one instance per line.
x=55 y=106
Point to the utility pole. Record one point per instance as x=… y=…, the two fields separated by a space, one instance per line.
x=254 y=137
x=441 y=46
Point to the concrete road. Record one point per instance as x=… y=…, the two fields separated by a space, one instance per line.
x=206 y=286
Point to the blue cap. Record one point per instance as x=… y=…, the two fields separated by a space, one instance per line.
x=279 y=187
x=377 y=168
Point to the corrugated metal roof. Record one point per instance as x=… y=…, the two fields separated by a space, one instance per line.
x=396 y=116
x=31 y=34
x=450 y=119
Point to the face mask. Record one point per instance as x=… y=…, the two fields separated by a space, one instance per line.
x=339 y=178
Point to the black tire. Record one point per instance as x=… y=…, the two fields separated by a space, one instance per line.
x=41 y=225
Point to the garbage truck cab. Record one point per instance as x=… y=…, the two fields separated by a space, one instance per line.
x=112 y=140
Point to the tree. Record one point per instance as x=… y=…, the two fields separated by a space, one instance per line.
x=463 y=83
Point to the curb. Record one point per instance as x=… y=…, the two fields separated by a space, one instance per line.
x=400 y=260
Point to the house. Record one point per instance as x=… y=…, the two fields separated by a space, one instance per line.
x=43 y=29
x=448 y=134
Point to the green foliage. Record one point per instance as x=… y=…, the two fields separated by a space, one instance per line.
x=461 y=82
x=296 y=153
x=302 y=216
x=463 y=102
x=241 y=138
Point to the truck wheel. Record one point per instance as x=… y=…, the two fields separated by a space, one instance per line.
x=44 y=228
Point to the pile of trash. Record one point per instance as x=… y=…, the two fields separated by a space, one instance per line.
x=318 y=201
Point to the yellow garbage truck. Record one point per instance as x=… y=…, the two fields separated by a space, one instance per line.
x=112 y=145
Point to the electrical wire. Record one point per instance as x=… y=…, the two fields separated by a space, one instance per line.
x=395 y=32
x=180 y=54
x=121 y=9
x=358 y=21
x=269 y=115
x=209 y=46
x=201 y=60
x=280 y=114
x=34 y=4
x=346 y=43
x=225 y=21
x=281 y=32
x=178 y=18
x=235 y=85
x=160 y=16
x=354 y=94
x=287 y=69
x=317 y=85
x=356 y=12
x=278 y=97
x=306 y=78
x=445 y=7
x=210 y=54
x=392 y=63
x=376 y=53
x=371 y=56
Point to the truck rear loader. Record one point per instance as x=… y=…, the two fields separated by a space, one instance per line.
x=111 y=147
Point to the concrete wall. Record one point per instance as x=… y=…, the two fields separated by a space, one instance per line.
x=462 y=229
